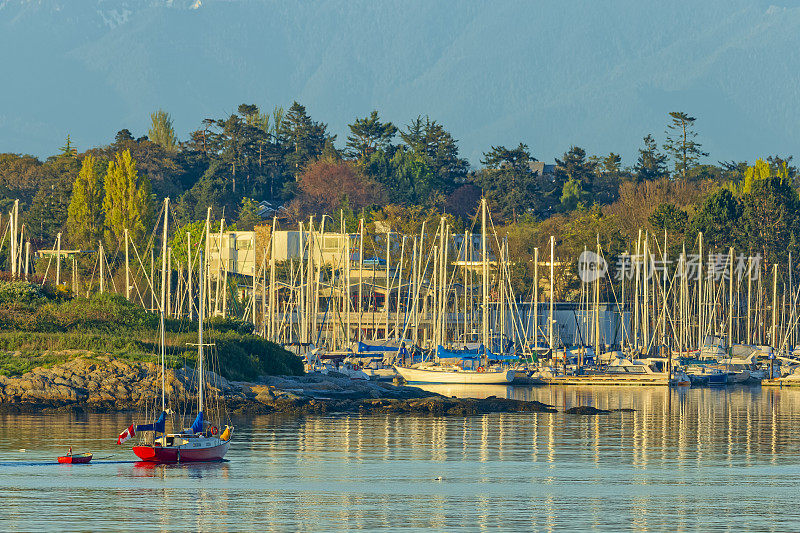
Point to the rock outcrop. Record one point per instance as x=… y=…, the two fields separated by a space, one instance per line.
x=103 y=383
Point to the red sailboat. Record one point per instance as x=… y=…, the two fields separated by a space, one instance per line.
x=202 y=441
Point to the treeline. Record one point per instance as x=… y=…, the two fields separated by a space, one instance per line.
x=404 y=174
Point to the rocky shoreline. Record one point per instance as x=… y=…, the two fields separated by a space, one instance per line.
x=105 y=384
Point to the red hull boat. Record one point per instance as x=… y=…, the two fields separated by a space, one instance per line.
x=184 y=449
x=79 y=459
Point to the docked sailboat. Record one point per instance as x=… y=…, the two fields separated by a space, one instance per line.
x=432 y=373
x=468 y=372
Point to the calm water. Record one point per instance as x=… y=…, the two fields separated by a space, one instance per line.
x=723 y=460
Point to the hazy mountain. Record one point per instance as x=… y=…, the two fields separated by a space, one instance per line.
x=595 y=73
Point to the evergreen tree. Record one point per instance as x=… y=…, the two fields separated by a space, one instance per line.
x=439 y=151
x=651 y=164
x=719 y=218
x=770 y=219
x=161 y=131
x=669 y=217
x=48 y=211
x=68 y=150
x=305 y=138
x=577 y=174
x=609 y=173
x=368 y=135
x=128 y=203
x=248 y=215
x=508 y=182
x=85 y=214
x=685 y=151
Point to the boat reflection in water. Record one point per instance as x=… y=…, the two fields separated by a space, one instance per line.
x=681 y=460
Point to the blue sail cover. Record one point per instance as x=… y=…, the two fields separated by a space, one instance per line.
x=504 y=357
x=362 y=347
x=365 y=348
x=158 y=425
x=441 y=353
x=197 y=425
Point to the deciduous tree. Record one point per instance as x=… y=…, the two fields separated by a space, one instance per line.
x=128 y=203
x=161 y=131
x=85 y=214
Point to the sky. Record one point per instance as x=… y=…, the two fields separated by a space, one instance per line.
x=596 y=74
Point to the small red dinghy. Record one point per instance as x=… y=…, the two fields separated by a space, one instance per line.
x=77 y=459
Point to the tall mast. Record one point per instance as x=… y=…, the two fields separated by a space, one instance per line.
x=485 y=273
x=774 y=336
x=730 y=299
x=200 y=338
x=58 y=260
x=399 y=290
x=664 y=294
x=597 y=305
x=208 y=256
x=15 y=242
x=621 y=308
x=163 y=302
x=102 y=274
x=271 y=331
x=360 y=278
x=388 y=286
x=535 y=296
x=749 y=337
x=127 y=268
x=444 y=288
x=700 y=328
x=645 y=295
x=189 y=273
x=550 y=318
x=413 y=292
x=636 y=308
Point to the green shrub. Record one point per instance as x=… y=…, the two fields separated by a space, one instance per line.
x=20 y=292
x=109 y=324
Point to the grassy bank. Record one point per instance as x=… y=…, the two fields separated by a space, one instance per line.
x=40 y=327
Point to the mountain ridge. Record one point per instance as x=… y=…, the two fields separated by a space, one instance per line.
x=549 y=74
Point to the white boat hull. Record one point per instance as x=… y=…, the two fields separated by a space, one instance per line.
x=463 y=377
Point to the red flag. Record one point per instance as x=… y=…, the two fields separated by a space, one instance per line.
x=125 y=435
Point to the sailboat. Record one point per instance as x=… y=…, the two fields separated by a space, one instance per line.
x=202 y=441
x=456 y=373
x=474 y=367
x=199 y=442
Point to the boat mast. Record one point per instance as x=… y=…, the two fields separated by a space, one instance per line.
x=774 y=336
x=550 y=318
x=464 y=256
x=636 y=308
x=360 y=278
x=664 y=296
x=388 y=285
x=645 y=295
x=485 y=274
x=700 y=328
x=535 y=297
x=730 y=302
x=163 y=304
x=200 y=338
x=597 y=304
